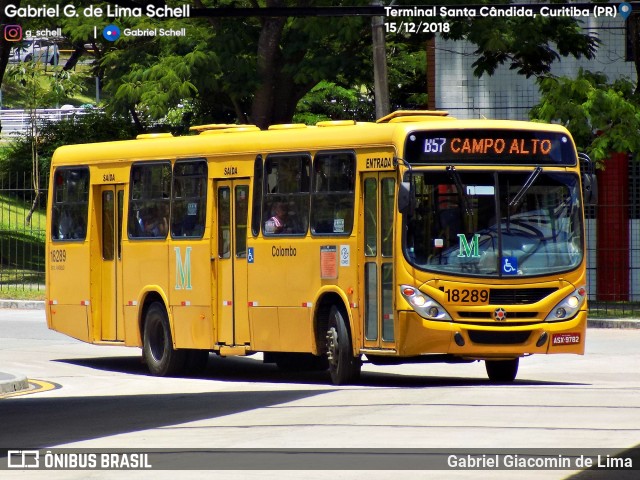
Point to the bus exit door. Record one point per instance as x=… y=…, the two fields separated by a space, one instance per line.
x=377 y=285
x=232 y=198
x=109 y=205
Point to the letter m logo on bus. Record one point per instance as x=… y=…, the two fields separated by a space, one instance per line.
x=183 y=270
x=466 y=249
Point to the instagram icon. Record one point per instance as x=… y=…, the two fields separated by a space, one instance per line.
x=12 y=33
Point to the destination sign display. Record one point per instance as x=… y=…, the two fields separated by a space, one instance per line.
x=486 y=147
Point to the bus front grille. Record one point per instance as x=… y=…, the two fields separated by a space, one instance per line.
x=517 y=296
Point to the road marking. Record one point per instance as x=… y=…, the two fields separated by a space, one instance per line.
x=35 y=386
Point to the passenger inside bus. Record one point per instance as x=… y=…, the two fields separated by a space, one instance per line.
x=278 y=222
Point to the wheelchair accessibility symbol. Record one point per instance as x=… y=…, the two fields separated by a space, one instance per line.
x=250 y=256
x=510 y=265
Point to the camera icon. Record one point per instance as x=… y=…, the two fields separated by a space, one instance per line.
x=12 y=33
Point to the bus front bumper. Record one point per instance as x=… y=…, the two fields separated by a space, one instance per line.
x=417 y=336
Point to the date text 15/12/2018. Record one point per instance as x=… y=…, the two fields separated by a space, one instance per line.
x=417 y=27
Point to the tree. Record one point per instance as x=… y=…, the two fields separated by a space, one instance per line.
x=39 y=88
x=254 y=68
x=603 y=117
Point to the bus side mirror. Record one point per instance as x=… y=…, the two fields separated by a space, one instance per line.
x=589 y=180
x=406 y=199
x=590 y=189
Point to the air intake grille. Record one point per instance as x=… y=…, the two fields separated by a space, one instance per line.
x=498 y=338
x=517 y=296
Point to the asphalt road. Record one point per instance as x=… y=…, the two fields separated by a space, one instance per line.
x=100 y=397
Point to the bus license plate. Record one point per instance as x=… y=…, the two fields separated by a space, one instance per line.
x=466 y=296
x=565 y=338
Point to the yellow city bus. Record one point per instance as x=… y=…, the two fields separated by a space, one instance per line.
x=417 y=238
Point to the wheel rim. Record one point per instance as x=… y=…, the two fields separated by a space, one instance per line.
x=333 y=349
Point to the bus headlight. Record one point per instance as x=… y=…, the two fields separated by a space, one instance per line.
x=568 y=308
x=424 y=305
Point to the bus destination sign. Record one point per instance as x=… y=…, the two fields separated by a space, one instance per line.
x=484 y=147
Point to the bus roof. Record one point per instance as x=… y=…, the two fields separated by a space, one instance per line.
x=214 y=140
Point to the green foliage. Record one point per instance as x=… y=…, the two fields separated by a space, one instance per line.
x=328 y=101
x=603 y=117
x=39 y=88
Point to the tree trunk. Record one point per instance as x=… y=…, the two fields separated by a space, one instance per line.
x=269 y=65
x=78 y=51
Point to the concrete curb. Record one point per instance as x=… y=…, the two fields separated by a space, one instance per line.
x=22 y=304
x=10 y=383
x=613 y=323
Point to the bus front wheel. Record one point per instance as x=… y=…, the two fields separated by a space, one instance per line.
x=343 y=366
x=502 y=370
x=157 y=351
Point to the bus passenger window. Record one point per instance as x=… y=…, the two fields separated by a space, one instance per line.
x=149 y=200
x=189 y=202
x=70 y=204
x=332 y=198
x=286 y=195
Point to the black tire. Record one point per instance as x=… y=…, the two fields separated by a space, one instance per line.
x=502 y=370
x=344 y=368
x=157 y=350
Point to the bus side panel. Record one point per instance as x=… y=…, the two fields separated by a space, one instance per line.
x=145 y=268
x=189 y=292
x=265 y=331
x=68 y=291
x=193 y=327
x=71 y=320
x=132 y=334
x=296 y=329
x=282 y=275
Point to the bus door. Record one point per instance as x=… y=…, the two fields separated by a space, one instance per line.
x=377 y=238
x=230 y=261
x=109 y=209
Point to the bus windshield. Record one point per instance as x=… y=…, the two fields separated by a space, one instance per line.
x=495 y=224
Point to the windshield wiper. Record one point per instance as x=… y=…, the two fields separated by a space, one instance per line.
x=527 y=185
x=451 y=170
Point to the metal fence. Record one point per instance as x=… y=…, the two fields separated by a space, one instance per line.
x=22 y=252
x=17 y=121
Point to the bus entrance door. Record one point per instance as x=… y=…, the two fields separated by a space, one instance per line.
x=110 y=202
x=377 y=238
x=232 y=197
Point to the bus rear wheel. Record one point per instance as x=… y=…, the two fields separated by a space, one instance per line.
x=158 y=352
x=502 y=370
x=344 y=368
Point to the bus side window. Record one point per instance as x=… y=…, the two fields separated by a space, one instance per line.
x=189 y=201
x=70 y=204
x=286 y=194
x=332 y=198
x=149 y=200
